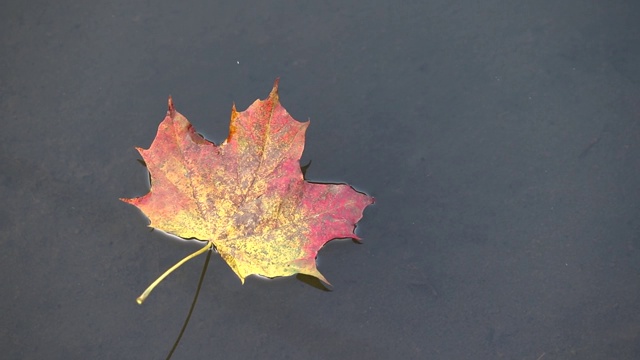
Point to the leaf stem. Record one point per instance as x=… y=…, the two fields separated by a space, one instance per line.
x=146 y=293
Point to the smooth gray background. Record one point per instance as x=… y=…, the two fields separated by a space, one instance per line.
x=501 y=140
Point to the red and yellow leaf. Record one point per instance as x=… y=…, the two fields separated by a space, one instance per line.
x=246 y=197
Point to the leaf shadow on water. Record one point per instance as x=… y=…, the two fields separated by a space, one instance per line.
x=193 y=305
x=312 y=281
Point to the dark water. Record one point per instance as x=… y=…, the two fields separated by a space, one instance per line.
x=500 y=139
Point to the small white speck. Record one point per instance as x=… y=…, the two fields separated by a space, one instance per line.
x=238 y=62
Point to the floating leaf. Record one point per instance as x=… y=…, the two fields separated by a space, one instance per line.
x=247 y=197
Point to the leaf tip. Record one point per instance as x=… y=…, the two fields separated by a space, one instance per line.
x=232 y=123
x=234 y=113
x=171 y=110
x=322 y=278
x=313 y=271
x=274 y=90
x=140 y=150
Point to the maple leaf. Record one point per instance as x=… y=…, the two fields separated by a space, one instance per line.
x=246 y=197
